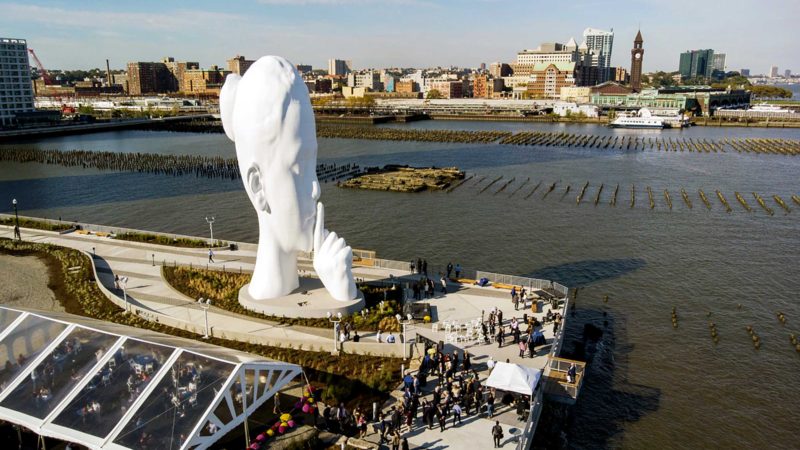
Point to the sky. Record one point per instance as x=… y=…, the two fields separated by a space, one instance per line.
x=397 y=33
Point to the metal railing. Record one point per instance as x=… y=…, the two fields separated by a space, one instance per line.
x=555 y=377
x=526 y=437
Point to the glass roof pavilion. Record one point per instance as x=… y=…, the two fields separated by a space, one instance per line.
x=109 y=386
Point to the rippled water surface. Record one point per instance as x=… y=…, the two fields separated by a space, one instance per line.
x=649 y=385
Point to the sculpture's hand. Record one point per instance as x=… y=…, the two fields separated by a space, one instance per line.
x=333 y=260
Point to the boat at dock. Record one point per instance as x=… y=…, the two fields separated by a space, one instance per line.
x=641 y=120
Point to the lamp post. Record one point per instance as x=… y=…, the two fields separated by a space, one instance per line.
x=205 y=304
x=124 y=282
x=211 y=228
x=335 y=321
x=16 y=219
x=404 y=323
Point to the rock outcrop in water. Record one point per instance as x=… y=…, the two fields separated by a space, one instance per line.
x=405 y=179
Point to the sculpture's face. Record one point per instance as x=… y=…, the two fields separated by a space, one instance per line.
x=293 y=190
x=268 y=114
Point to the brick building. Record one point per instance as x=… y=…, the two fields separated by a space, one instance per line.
x=239 y=65
x=150 y=78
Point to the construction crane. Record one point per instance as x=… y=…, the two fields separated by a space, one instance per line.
x=43 y=72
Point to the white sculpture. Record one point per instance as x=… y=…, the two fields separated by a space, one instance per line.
x=268 y=114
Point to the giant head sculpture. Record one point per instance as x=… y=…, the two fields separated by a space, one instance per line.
x=268 y=114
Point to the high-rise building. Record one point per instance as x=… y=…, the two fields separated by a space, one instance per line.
x=16 y=90
x=370 y=79
x=546 y=80
x=150 y=78
x=718 y=62
x=696 y=63
x=339 y=67
x=204 y=82
x=586 y=71
x=637 y=54
x=177 y=69
x=499 y=70
x=600 y=44
x=744 y=72
x=773 y=72
x=787 y=73
x=239 y=65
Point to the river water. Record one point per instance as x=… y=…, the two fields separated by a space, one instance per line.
x=649 y=385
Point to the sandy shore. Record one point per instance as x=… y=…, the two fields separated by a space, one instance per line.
x=23 y=282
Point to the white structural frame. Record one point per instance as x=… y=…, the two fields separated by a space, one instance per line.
x=277 y=375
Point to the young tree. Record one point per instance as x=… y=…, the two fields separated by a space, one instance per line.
x=434 y=93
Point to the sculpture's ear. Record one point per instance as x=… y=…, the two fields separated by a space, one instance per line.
x=227 y=100
x=255 y=182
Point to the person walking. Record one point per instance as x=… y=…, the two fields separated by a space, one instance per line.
x=497 y=433
x=522 y=348
x=442 y=420
x=210 y=256
x=404 y=444
x=500 y=337
x=490 y=405
x=444 y=285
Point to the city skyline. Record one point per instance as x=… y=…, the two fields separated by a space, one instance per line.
x=420 y=35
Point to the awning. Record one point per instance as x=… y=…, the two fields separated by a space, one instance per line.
x=514 y=378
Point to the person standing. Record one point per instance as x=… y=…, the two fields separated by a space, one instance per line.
x=456 y=414
x=425 y=267
x=396 y=440
x=419 y=265
x=444 y=285
x=497 y=433
x=449 y=269
x=404 y=444
x=500 y=337
x=556 y=323
x=411 y=266
x=442 y=419
x=458 y=270
x=521 y=345
x=210 y=256
x=490 y=405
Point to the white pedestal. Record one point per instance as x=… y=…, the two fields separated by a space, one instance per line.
x=310 y=300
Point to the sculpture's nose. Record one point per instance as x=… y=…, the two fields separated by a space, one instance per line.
x=315 y=190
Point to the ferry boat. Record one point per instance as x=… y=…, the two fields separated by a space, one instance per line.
x=763 y=107
x=642 y=120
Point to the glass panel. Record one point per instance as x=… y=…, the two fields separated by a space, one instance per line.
x=6 y=317
x=58 y=374
x=113 y=389
x=23 y=345
x=169 y=414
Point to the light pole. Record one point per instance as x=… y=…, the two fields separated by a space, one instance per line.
x=16 y=218
x=124 y=282
x=404 y=323
x=335 y=321
x=211 y=228
x=205 y=305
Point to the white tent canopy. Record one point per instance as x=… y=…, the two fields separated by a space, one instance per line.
x=514 y=378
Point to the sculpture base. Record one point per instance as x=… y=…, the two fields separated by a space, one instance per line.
x=310 y=300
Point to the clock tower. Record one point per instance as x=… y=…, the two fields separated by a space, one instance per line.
x=637 y=53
